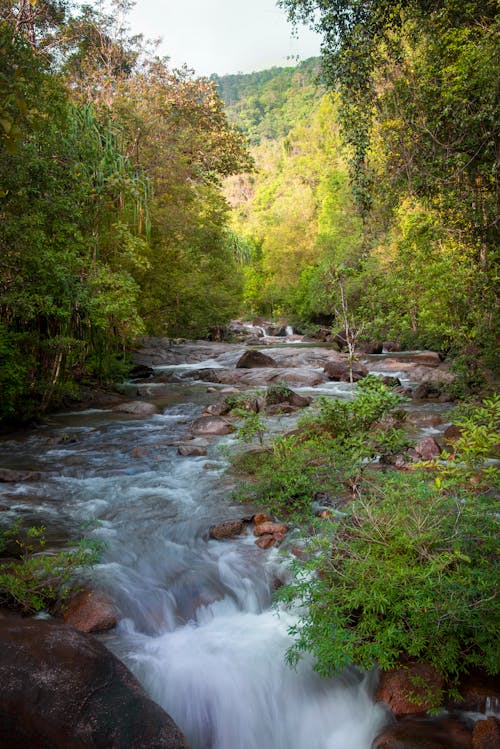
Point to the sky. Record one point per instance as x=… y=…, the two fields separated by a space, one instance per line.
x=223 y=36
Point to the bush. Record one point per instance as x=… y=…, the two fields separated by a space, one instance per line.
x=39 y=579
x=410 y=572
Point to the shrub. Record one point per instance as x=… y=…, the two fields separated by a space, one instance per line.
x=410 y=572
x=38 y=579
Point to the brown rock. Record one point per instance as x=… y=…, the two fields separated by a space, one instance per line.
x=90 y=611
x=389 y=346
x=227 y=529
x=62 y=689
x=254 y=360
x=486 y=734
x=137 y=408
x=338 y=371
x=480 y=693
x=414 y=733
x=401 y=688
x=10 y=476
x=260 y=517
x=211 y=425
x=452 y=433
x=424 y=418
x=428 y=448
x=188 y=451
x=266 y=541
x=279 y=395
x=269 y=527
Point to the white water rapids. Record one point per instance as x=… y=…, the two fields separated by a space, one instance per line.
x=198 y=627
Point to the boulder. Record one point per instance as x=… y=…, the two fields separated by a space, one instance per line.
x=266 y=541
x=62 y=688
x=340 y=372
x=480 y=693
x=424 y=418
x=389 y=346
x=427 y=448
x=137 y=408
x=414 y=733
x=20 y=477
x=371 y=348
x=141 y=372
x=410 y=689
x=486 y=734
x=211 y=425
x=277 y=531
x=191 y=451
x=278 y=395
x=391 y=382
x=254 y=360
x=90 y=611
x=227 y=529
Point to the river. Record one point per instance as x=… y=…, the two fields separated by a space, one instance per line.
x=197 y=627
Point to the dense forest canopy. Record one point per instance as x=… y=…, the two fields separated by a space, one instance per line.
x=111 y=212
x=130 y=203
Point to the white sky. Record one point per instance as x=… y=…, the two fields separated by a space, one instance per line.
x=223 y=36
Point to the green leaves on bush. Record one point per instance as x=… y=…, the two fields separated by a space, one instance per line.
x=37 y=579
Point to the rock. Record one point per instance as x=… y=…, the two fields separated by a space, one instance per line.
x=389 y=346
x=190 y=451
x=141 y=372
x=260 y=517
x=90 y=611
x=277 y=395
x=217 y=333
x=452 y=433
x=428 y=448
x=391 y=382
x=266 y=541
x=424 y=418
x=340 y=338
x=19 y=477
x=3 y=508
x=254 y=360
x=426 y=391
x=281 y=408
x=486 y=734
x=278 y=531
x=217 y=409
x=211 y=425
x=398 y=685
x=339 y=371
x=480 y=693
x=227 y=529
x=371 y=348
x=413 y=733
x=62 y=688
x=137 y=408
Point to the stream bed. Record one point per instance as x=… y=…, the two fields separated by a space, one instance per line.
x=197 y=626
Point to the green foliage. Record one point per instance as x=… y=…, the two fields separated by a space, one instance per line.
x=411 y=572
x=252 y=425
x=330 y=453
x=38 y=579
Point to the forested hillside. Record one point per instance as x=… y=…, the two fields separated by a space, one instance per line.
x=112 y=218
x=384 y=184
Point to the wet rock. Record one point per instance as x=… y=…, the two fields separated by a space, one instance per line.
x=266 y=541
x=371 y=348
x=90 y=611
x=424 y=418
x=411 y=689
x=217 y=409
x=19 y=477
x=486 y=734
x=254 y=360
x=281 y=408
x=480 y=693
x=141 y=372
x=340 y=372
x=62 y=688
x=212 y=425
x=414 y=733
x=227 y=529
x=137 y=408
x=278 y=531
x=3 y=508
x=191 y=451
x=426 y=391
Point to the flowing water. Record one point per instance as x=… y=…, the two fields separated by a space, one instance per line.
x=198 y=627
